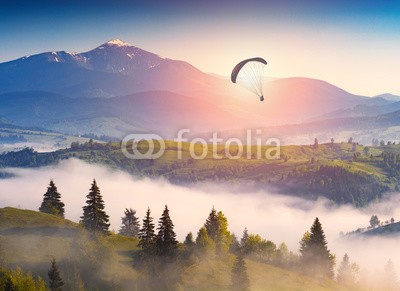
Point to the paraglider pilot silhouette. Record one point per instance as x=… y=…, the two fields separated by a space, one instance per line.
x=250 y=74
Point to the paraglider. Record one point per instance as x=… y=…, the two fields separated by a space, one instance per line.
x=249 y=73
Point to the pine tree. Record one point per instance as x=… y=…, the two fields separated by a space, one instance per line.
x=316 y=259
x=73 y=279
x=189 y=242
x=305 y=241
x=55 y=281
x=52 y=201
x=94 y=217
x=147 y=235
x=282 y=255
x=344 y=271
x=204 y=243
x=166 y=242
x=239 y=278
x=234 y=248
x=217 y=229
x=245 y=237
x=223 y=238
x=347 y=272
x=212 y=224
x=130 y=224
x=390 y=277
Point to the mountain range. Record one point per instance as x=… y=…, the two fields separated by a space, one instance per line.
x=117 y=88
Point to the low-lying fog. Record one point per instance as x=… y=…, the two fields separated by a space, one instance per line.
x=40 y=147
x=276 y=217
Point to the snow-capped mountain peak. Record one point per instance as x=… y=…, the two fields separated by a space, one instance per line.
x=114 y=56
x=117 y=56
x=117 y=42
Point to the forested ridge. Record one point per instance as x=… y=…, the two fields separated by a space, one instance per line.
x=344 y=173
x=341 y=172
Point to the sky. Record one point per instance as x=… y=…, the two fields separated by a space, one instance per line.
x=351 y=44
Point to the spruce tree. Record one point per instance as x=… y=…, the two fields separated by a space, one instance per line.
x=189 y=242
x=223 y=238
x=234 y=248
x=344 y=274
x=217 y=229
x=212 y=224
x=239 y=278
x=204 y=243
x=73 y=279
x=52 y=201
x=166 y=242
x=347 y=272
x=130 y=224
x=147 y=235
x=94 y=217
x=282 y=255
x=316 y=259
x=245 y=237
x=304 y=242
x=390 y=277
x=55 y=281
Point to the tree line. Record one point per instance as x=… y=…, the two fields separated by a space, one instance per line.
x=160 y=249
x=336 y=183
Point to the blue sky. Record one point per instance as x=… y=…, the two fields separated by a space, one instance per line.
x=352 y=44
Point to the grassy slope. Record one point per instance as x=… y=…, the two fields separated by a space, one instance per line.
x=348 y=175
x=30 y=239
x=298 y=156
x=215 y=275
x=169 y=165
x=243 y=169
x=16 y=218
x=33 y=250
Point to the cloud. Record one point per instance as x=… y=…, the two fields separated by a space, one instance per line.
x=276 y=217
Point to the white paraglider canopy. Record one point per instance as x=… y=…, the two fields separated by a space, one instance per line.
x=249 y=73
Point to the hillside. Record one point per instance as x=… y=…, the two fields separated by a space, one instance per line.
x=27 y=243
x=392 y=229
x=214 y=275
x=380 y=122
x=300 y=99
x=154 y=111
x=12 y=218
x=342 y=172
x=30 y=239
